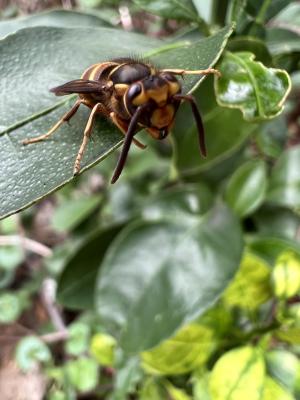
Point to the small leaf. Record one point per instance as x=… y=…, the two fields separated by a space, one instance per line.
x=247 y=187
x=259 y=92
x=286 y=275
x=189 y=349
x=82 y=373
x=157 y=276
x=10 y=257
x=77 y=342
x=103 y=348
x=127 y=378
x=10 y=308
x=251 y=285
x=284 y=186
x=71 y=213
x=238 y=374
x=31 y=350
x=175 y=393
x=289 y=334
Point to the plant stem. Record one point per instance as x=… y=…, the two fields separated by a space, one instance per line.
x=263 y=9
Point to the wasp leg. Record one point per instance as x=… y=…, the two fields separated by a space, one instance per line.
x=127 y=142
x=123 y=126
x=198 y=119
x=197 y=72
x=86 y=135
x=65 y=118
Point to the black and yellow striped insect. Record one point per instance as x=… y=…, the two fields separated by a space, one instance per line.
x=133 y=95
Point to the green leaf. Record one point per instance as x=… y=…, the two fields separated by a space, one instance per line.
x=72 y=212
x=58 y=18
x=259 y=92
x=76 y=284
x=289 y=334
x=78 y=339
x=270 y=247
x=201 y=386
x=175 y=393
x=157 y=276
x=10 y=308
x=103 y=348
x=284 y=367
x=284 y=185
x=286 y=275
x=49 y=56
x=225 y=132
x=31 y=350
x=175 y=9
x=247 y=187
x=282 y=41
x=10 y=257
x=82 y=373
x=273 y=391
x=129 y=373
x=251 y=285
x=188 y=350
x=238 y=374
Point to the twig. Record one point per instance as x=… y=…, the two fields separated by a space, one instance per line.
x=28 y=244
x=48 y=299
x=55 y=337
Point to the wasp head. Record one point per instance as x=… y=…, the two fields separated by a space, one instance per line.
x=157 y=92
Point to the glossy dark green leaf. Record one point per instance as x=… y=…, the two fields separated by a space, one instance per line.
x=59 y=18
x=245 y=84
x=253 y=45
x=159 y=275
x=284 y=187
x=289 y=17
x=77 y=282
x=225 y=132
x=247 y=187
x=43 y=57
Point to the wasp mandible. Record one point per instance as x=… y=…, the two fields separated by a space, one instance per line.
x=134 y=95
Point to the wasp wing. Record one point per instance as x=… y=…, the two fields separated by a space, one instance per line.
x=80 y=86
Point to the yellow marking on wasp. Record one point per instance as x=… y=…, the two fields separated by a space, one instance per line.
x=121 y=88
x=163 y=116
x=159 y=95
x=174 y=88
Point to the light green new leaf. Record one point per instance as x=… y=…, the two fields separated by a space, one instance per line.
x=247 y=187
x=158 y=275
x=238 y=374
x=259 y=92
x=36 y=59
x=30 y=351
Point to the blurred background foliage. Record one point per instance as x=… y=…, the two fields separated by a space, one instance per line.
x=181 y=281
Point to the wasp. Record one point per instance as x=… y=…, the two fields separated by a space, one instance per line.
x=134 y=95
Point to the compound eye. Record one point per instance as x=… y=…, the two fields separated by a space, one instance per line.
x=134 y=91
x=169 y=77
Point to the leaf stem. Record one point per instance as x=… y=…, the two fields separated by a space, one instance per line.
x=262 y=12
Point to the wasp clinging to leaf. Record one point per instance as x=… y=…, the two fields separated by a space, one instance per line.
x=133 y=95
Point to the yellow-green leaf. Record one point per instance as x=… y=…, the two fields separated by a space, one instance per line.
x=185 y=351
x=238 y=375
x=273 y=391
x=286 y=275
x=103 y=348
x=251 y=285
